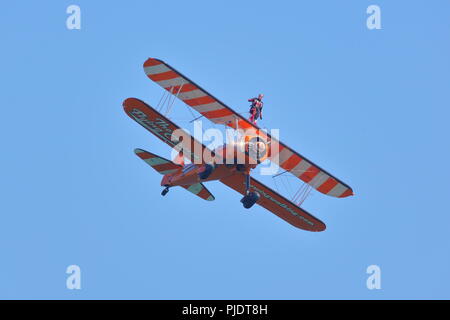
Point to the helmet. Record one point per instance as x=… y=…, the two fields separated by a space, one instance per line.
x=260 y=96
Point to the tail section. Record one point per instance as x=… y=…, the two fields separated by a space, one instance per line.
x=164 y=166
x=200 y=190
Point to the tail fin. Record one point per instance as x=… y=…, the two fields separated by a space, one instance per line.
x=164 y=166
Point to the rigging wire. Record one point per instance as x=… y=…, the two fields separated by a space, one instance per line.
x=175 y=97
x=302 y=192
x=165 y=99
x=160 y=100
x=288 y=184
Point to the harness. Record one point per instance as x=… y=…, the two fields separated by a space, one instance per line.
x=256 y=105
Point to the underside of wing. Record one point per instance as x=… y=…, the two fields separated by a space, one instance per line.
x=307 y=171
x=167 y=131
x=193 y=95
x=276 y=203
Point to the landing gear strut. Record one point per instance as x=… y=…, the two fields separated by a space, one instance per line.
x=250 y=197
x=164 y=192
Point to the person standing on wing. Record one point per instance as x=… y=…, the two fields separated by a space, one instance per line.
x=256 y=108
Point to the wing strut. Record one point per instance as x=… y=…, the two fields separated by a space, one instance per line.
x=168 y=99
x=302 y=192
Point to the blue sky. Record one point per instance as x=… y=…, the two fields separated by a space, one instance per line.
x=370 y=106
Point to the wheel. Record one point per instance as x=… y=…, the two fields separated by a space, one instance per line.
x=250 y=199
x=164 y=192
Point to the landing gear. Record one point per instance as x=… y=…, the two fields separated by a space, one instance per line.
x=250 y=198
x=164 y=192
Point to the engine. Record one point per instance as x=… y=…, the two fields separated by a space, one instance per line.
x=256 y=148
x=250 y=149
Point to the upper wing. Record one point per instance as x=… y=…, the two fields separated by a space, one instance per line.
x=215 y=110
x=276 y=203
x=164 y=129
x=193 y=95
x=304 y=169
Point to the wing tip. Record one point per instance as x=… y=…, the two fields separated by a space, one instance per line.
x=322 y=227
x=318 y=226
x=126 y=102
x=130 y=102
x=347 y=193
x=152 y=62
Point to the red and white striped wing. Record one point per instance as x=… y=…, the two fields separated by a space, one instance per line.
x=216 y=111
x=193 y=95
x=309 y=172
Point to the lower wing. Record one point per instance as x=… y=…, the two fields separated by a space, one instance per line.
x=167 y=131
x=276 y=203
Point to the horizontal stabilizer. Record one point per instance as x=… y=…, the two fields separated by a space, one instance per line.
x=164 y=166
x=200 y=190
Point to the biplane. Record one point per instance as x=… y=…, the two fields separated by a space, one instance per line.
x=231 y=163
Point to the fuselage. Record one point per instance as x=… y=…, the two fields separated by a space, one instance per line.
x=229 y=159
